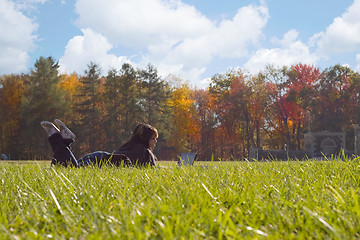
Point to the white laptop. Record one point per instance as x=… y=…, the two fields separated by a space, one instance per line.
x=187 y=159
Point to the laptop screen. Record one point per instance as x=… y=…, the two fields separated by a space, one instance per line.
x=187 y=159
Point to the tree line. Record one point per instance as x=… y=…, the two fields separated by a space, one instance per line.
x=236 y=112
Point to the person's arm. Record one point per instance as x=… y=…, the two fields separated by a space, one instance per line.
x=120 y=160
x=152 y=159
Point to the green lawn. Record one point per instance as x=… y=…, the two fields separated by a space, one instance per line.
x=226 y=200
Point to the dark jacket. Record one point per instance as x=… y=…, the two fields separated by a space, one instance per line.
x=138 y=154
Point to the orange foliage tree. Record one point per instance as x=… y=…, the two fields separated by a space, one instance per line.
x=259 y=101
x=71 y=85
x=11 y=91
x=185 y=127
x=235 y=104
x=292 y=92
x=337 y=101
x=300 y=97
x=205 y=109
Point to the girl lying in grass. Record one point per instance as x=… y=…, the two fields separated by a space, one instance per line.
x=136 y=152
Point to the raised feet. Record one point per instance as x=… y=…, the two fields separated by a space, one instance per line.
x=49 y=127
x=64 y=130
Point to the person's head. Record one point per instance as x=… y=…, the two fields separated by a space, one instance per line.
x=145 y=134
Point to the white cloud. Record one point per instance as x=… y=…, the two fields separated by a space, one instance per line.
x=357 y=68
x=343 y=34
x=174 y=36
x=291 y=51
x=137 y=23
x=91 y=47
x=233 y=37
x=288 y=38
x=230 y=39
x=16 y=39
x=192 y=74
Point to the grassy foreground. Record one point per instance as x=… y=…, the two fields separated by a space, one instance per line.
x=252 y=200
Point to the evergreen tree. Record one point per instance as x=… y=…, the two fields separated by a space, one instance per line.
x=112 y=105
x=121 y=104
x=44 y=100
x=155 y=94
x=89 y=110
x=130 y=97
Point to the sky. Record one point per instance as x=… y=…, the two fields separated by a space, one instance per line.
x=189 y=39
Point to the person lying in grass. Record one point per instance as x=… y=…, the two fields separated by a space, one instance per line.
x=136 y=152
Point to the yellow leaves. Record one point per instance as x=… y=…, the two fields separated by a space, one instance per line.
x=12 y=91
x=290 y=124
x=69 y=83
x=183 y=119
x=181 y=101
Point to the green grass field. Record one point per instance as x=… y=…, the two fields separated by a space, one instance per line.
x=226 y=200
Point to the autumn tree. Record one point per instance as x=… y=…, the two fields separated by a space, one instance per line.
x=337 y=103
x=278 y=119
x=185 y=131
x=300 y=95
x=11 y=91
x=219 y=89
x=332 y=102
x=70 y=83
x=259 y=101
x=354 y=101
x=206 y=116
x=231 y=96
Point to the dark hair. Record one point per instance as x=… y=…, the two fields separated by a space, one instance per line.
x=141 y=134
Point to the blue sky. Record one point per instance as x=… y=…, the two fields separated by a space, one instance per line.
x=190 y=39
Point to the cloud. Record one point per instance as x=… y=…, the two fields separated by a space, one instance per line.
x=228 y=39
x=291 y=51
x=91 y=47
x=172 y=35
x=342 y=35
x=16 y=39
x=138 y=23
x=357 y=68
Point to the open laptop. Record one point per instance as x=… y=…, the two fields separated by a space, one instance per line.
x=187 y=159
